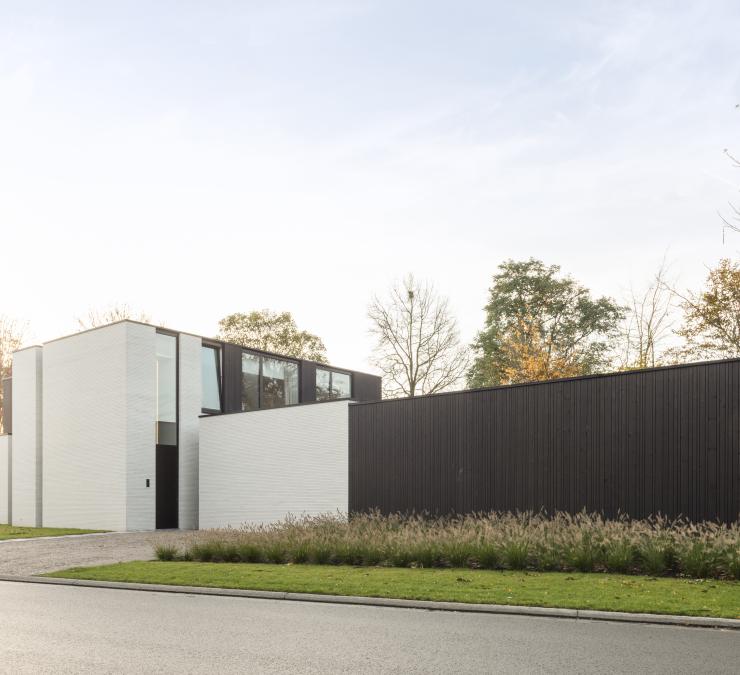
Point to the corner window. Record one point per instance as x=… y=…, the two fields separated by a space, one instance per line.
x=332 y=385
x=211 y=378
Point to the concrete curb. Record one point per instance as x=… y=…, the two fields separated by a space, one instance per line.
x=593 y=615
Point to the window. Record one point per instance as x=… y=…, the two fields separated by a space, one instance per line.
x=268 y=382
x=166 y=346
x=250 y=381
x=341 y=385
x=211 y=378
x=332 y=385
x=323 y=385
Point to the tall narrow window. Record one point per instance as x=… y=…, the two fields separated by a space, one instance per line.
x=250 y=381
x=323 y=385
x=211 y=378
x=166 y=346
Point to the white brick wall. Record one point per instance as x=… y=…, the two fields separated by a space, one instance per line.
x=190 y=410
x=141 y=437
x=5 y=476
x=257 y=467
x=99 y=442
x=27 y=431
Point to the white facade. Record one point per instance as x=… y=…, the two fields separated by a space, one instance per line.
x=260 y=466
x=88 y=411
x=189 y=411
x=5 y=474
x=27 y=461
x=98 y=429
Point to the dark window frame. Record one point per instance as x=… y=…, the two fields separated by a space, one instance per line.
x=261 y=356
x=174 y=334
x=206 y=344
x=331 y=370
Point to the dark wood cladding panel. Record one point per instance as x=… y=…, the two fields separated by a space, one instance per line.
x=645 y=442
x=366 y=387
x=308 y=381
x=232 y=378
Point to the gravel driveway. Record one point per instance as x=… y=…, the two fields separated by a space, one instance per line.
x=46 y=554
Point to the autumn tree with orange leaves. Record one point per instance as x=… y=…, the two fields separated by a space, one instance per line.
x=542 y=325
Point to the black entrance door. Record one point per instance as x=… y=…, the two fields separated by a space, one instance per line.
x=166 y=485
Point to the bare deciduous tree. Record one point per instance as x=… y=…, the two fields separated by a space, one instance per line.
x=649 y=322
x=111 y=314
x=732 y=221
x=11 y=336
x=418 y=345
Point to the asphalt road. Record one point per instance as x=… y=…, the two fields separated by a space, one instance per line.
x=53 y=629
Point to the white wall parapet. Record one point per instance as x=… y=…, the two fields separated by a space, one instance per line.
x=257 y=467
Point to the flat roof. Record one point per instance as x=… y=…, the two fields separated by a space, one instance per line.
x=201 y=337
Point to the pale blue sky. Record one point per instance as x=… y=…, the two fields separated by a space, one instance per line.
x=194 y=159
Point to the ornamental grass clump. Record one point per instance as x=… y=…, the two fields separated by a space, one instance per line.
x=514 y=541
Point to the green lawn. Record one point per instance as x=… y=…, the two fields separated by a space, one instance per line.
x=13 y=532
x=546 y=589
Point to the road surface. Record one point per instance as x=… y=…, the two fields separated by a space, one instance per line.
x=52 y=629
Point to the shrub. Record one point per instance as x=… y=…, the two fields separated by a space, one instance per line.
x=696 y=559
x=489 y=557
x=516 y=554
x=656 y=556
x=516 y=541
x=619 y=556
x=732 y=562
x=164 y=552
x=584 y=555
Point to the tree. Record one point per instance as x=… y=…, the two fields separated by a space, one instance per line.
x=540 y=325
x=711 y=321
x=649 y=323
x=111 y=314
x=731 y=222
x=272 y=332
x=418 y=345
x=11 y=337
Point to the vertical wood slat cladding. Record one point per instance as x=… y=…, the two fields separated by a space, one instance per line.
x=664 y=440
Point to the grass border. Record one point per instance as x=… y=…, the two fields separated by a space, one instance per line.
x=584 y=591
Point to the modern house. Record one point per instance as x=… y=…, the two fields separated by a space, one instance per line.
x=132 y=427
x=109 y=428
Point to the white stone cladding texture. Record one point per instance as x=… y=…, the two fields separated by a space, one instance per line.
x=141 y=437
x=27 y=442
x=99 y=407
x=258 y=467
x=190 y=410
x=5 y=458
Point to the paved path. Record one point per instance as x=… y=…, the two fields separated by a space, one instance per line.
x=46 y=554
x=64 y=629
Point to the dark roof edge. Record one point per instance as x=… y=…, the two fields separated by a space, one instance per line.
x=557 y=380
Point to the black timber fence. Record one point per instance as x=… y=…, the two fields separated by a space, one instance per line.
x=660 y=440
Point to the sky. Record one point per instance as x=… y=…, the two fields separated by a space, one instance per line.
x=198 y=159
